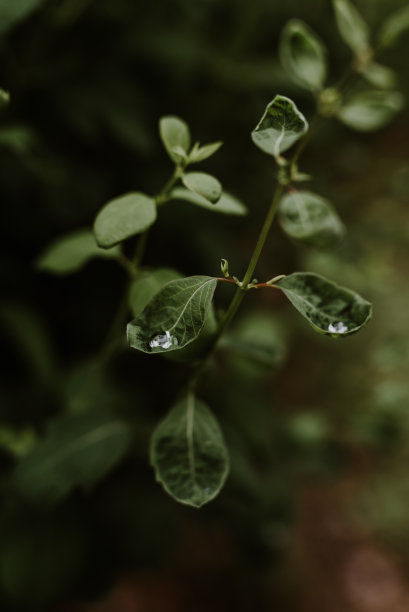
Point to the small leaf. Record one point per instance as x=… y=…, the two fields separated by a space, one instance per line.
x=188 y=453
x=71 y=252
x=280 y=127
x=77 y=451
x=303 y=55
x=199 y=154
x=380 y=76
x=174 y=317
x=124 y=217
x=394 y=26
x=146 y=285
x=227 y=205
x=371 y=110
x=330 y=309
x=309 y=218
x=204 y=185
x=353 y=29
x=174 y=133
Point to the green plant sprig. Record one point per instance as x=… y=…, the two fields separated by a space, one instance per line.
x=174 y=316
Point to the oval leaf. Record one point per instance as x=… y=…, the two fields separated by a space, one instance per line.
x=124 y=217
x=146 y=285
x=330 y=309
x=303 y=55
x=394 y=26
x=175 y=135
x=227 y=205
x=280 y=127
x=309 y=218
x=199 y=154
x=174 y=317
x=353 y=29
x=77 y=451
x=371 y=110
x=71 y=252
x=380 y=76
x=204 y=185
x=188 y=453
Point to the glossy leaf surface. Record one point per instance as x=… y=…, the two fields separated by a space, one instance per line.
x=188 y=453
x=309 y=218
x=175 y=135
x=77 y=451
x=124 y=217
x=174 y=317
x=227 y=204
x=353 y=29
x=71 y=252
x=280 y=127
x=329 y=308
x=303 y=55
x=371 y=110
x=205 y=185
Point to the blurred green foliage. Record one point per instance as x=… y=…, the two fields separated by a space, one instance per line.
x=88 y=81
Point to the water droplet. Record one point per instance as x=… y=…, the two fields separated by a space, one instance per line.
x=337 y=328
x=164 y=340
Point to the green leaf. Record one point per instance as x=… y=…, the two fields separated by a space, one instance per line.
x=174 y=317
x=175 y=133
x=196 y=350
x=13 y=11
x=205 y=185
x=303 y=55
x=77 y=451
x=124 y=217
x=280 y=127
x=393 y=27
x=188 y=453
x=146 y=285
x=309 y=218
x=4 y=97
x=71 y=252
x=330 y=309
x=227 y=205
x=199 y=154
x=353 y=29
x=371 y=110
x=380 y=76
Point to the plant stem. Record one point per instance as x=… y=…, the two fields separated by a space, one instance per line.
x=240 y=291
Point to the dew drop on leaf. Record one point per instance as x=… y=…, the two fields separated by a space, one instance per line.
x=337 y=328
x=164 y=340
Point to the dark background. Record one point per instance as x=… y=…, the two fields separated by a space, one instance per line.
x=314 y=513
